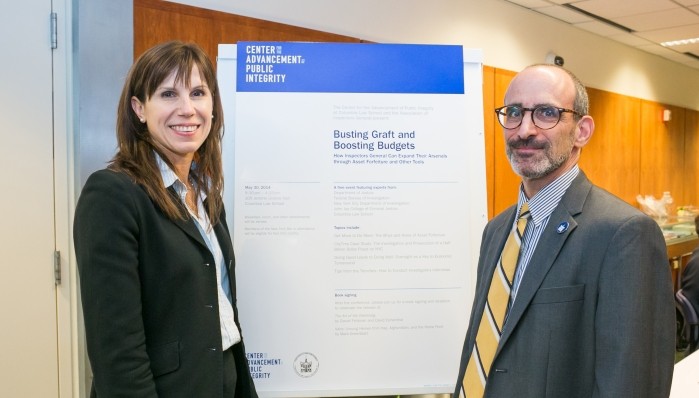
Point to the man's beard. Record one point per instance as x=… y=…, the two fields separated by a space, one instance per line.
x=538 y=165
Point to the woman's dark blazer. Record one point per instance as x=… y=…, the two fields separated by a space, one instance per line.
x=149 y=296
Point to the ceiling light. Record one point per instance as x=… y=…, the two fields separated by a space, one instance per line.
x=680 y=42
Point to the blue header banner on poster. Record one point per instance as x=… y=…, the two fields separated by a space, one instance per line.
x=349 y=68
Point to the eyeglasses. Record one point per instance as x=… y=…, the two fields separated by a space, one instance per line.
x=544 y=117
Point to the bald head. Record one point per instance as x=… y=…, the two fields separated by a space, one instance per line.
x=580 y=102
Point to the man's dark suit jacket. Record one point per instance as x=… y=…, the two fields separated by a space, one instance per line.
x=594 y=314
x=149 y=296
x=690 y=280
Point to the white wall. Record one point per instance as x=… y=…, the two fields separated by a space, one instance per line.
x=511 y=38
x=103 y=44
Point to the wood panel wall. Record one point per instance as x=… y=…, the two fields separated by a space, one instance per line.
x=632 y=151
x=662 y=150
x=612 y=157
x=489 y=134
x=690 y=170
x=506 y=182
x=156 y=21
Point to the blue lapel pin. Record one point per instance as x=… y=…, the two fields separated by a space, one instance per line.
x=562 y=227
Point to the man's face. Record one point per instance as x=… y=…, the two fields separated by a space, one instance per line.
x=535 y=153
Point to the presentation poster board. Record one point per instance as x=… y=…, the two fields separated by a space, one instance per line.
x=355 y=186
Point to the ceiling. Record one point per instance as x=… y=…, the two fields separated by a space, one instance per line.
x=643 y=24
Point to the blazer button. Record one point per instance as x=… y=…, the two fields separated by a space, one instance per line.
x=206 y=264
x=209 y=306
x=212 y=349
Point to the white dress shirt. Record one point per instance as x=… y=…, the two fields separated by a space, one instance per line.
x=230 y=334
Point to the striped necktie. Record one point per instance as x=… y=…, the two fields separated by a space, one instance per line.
x=496 y=306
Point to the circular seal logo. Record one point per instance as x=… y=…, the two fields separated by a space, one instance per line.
x=306 y=364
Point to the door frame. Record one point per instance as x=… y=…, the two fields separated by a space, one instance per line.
x=70 y=348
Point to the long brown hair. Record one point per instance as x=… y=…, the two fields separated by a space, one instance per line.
x=135 y=155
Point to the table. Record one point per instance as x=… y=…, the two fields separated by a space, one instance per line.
x=685 y=380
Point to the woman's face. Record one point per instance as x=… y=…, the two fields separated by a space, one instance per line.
x=178 y=116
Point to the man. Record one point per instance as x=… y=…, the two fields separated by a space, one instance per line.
x=588 y=306
x=690 y=275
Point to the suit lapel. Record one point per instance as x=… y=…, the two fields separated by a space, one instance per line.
x=187 y=225
x=226 y=244
x=190 y=229
x=550 y=245
x=502 y=232
x=224 y=241
x=487 y=263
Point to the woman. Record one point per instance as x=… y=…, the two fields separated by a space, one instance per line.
x=153 y=249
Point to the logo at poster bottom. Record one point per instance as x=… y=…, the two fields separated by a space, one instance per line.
x=306 y=364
